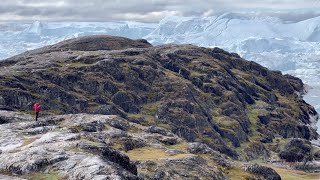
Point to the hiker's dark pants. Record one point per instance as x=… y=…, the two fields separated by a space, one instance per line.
x=37 y=115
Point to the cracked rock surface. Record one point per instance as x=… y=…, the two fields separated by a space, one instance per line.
x=67 y=147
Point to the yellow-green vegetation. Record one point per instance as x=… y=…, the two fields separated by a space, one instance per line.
x=28 y=140
x=278 y=143
x=147 y=119
x=287 y=174
x=134 y=129
x=205 y=96
x=227 y=122
x=228 y=93
x=216 y=112
x=253 y=114
x=149 y=109
x=289 y=105
x=116 y=144
x=165 y=126
x=245 y=146
x=206 y=140
x=181 y=146
x=92 y=143
x=36 y=95
x=237 y=173
x=9 y=89
x=52 y=175
x=77 y=65
x=233 y=173
x=241 y=74
x=195 y=73
x=93 y=106
x=151 y=95
x=151 y=153
x=30 y=112
x=171 y=74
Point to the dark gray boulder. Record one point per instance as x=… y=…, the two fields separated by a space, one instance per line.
x=297 y=150
x=265 y=172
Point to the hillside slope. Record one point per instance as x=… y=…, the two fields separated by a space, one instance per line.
x=205 y=95
x=200 y=94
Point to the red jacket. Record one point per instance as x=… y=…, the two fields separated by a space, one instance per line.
x=36 y=107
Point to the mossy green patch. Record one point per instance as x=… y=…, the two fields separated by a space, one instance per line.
x=227 y=122
x=253 y=114
x=196 y=73
x=165 y=126
x=77 y=65
x=149 y=109
x=237 y=173
x=28 y=140
x=144 y=119
x=288 y=105
x=151 y=153
x=181 y=146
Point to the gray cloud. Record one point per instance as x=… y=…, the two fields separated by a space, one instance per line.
x=149 y=10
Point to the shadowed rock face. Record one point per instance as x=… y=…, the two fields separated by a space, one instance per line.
x=200 y=94
x=297 y=150
x=262 y=171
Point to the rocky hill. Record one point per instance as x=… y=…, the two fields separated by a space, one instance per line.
x=163 y=106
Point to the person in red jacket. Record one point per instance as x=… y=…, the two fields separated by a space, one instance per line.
x=36 y=107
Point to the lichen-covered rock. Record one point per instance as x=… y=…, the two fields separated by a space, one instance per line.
x=119 y=124
x=159 y=130
x=33 y=149
x=297 y=150
x=129 y=102
x=267 y=138
x=37 y=147
x=185 y=168
x=256 y=150
x=316 y=155
x=262 y=171
x=200 y=148
x=133 y=143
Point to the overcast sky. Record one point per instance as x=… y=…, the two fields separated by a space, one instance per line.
x=147 y=10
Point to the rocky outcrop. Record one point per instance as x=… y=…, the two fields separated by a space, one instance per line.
x=58 y=149
x=256 y=150
x=199 y=94
x=110 y=154
x=220 y=159
x=262 y=171
x=181 y=169
x=67 y=147
x=297 y=150
x=93 y=43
